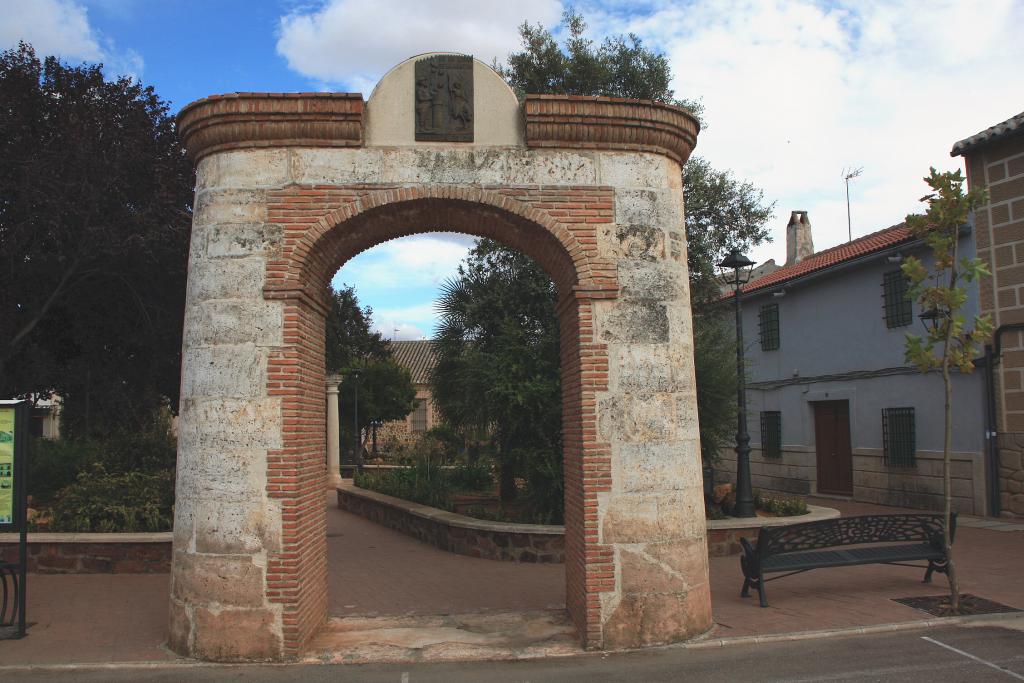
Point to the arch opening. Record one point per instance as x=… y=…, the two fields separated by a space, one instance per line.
x=343 y=235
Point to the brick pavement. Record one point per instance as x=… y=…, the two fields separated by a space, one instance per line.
x=989 y=563
x=92 y=618
x=112 y=618
x=374 y=571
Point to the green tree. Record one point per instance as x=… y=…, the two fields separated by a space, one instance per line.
x=721 y=211
x=349 y=338
x=95 y=211
x=949 y=344
x=714 y=361
x=386 y=393
x=497 y=368
x=619 y=67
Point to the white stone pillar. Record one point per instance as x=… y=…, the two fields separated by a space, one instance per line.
x=333 y=434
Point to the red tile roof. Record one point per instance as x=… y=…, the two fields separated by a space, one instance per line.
x=862 y=246
x=417 y=356
x=1012 y=126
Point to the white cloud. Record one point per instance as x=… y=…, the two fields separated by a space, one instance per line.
x=61 y=28
x=398 y=331
x=797 y=91
x=53 y=27
x=353 y=43
x=417 y=261
x=419 y=313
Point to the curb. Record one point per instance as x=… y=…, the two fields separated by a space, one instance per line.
x=850 y=631
x=710 y=644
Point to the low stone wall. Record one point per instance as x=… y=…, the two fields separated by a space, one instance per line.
x=794 y=473
x=917 y=487
x=724 y=534
x=457 y=533
x=55 y=553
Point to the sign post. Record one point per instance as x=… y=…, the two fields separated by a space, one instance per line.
x=14 y=430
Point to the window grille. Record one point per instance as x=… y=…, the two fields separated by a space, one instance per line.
x=899 y=437
x=419 y=416
x=768 y=321
x=771 y=433
x=898 y=309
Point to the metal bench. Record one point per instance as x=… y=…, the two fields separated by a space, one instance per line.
x=8 y=594
x=797 y=548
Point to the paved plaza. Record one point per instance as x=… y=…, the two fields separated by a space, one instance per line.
x=377 y=573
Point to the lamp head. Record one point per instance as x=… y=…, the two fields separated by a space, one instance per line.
x=740 y=264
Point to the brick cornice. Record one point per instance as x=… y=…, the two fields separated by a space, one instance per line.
x=259 y=120
x=577 y=122
x=253 y=120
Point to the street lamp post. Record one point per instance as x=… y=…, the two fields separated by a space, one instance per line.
x=742 y=268
x=355 y=413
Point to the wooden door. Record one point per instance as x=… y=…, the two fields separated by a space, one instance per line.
x=832 y=443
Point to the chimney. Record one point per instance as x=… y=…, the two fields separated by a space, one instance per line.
x=798 y=238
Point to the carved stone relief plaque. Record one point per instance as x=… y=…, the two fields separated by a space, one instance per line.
x=444 y=99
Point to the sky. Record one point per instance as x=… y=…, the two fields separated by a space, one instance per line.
x=795 y=93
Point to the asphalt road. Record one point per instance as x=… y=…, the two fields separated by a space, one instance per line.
x=978 y=653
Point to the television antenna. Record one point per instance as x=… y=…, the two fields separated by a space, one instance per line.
x=848 y=174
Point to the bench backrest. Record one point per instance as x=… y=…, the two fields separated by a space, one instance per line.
x=920 y=527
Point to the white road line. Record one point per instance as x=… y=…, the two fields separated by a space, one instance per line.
x=977 y=659
x=405 y=677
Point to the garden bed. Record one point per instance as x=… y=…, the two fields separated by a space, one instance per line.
x=457 y=533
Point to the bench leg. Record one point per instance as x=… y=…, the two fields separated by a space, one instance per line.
x=939 y=567
x=745 y=591
x=761 y=593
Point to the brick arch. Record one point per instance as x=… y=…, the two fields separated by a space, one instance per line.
x=322 y=228
x=312 y=252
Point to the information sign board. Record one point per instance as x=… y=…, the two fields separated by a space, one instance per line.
x=8 y=473
x=14 y=417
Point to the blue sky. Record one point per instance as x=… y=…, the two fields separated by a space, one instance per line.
x=795 y=92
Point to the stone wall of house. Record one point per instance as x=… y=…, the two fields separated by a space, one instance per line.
x=1000 y=238
x=919 y=487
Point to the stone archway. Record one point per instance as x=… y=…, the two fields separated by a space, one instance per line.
x=291 y=186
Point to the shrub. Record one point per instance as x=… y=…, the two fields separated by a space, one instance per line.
x=545 y=485
x=103 y=501
x=421 y=482
x=475 y=476
x=782 y=506
x=54 y=465
x=151 y=450
x=425 y=479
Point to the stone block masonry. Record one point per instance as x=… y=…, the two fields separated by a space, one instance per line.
x=999 y=231
x=287 y=192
